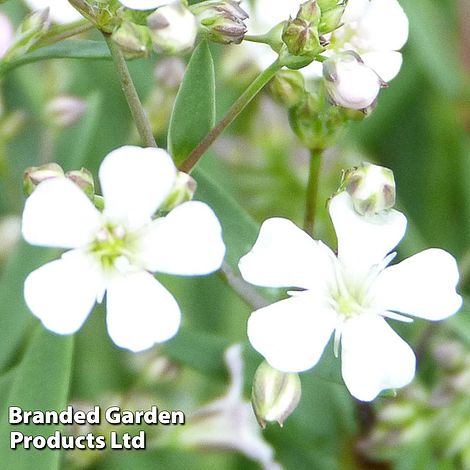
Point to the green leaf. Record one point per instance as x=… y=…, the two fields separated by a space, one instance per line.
x=194 y=111
x=70 y=49
x=41 y=382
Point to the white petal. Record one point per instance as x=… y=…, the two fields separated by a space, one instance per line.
x=374 y=357
x=6 y=34
x=135 y=181
x=144 y=4
x=60 y=11
x=384 y=26
x=59 y=214
x=62 y=293
x=285 y=256
x=140 y=312
x=423 y=286
x=188 y=241
x=292 y=334
x=269 y=13
x=364 y=241
x=386 y=64
x=354 y=11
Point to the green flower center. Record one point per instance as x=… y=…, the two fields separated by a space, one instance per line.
x=112 y=243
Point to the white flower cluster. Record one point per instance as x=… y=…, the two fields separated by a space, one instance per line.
x=349 y=295
x=375 y=30
x=117 y=250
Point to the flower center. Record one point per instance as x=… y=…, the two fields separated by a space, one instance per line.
x=348 y=298
x=112 y=246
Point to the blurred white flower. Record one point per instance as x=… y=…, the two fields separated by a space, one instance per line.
x=65 y=110
x=229 y=423
x=350 y=295
x=115 y=251
x=60 y=11
x=173 y=29
x=375 y=29
x=10 y=234
x=6 y=34
x=144 y=4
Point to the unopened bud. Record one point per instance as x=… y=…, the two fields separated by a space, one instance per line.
x=222 y=21
x=288 y=87
x=35 y=175
x=301 y=33
x=35 y=22
x=65 y=111
x=132 y=39
x=183 y=191
x=349 y=82
x=84 y=180
x=371 y=187
x=173 y=29
x=327 y=4
x=275 y=394
x=331 y=19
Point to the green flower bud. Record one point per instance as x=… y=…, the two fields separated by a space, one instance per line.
x=327 y=4
x=84 y=180
x=222 y=21
x=288 y=87
x=371 y=187
x=132 y=39
x=183 y=191
x=37 y=174
x=331 y=19
x=275 y=394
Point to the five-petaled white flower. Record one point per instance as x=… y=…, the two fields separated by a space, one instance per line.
x=375 y=29
x=60 y=11
x=350 y=295
x=115 y=251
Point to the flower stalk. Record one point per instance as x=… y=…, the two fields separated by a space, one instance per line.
x=135 y=105
x=240 y=104
x=312 y=189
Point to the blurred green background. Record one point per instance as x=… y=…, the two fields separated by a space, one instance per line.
x=420 y=129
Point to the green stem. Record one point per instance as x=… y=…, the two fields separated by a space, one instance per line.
x=312 y=190
x=138 y=114
x=62 y=32
x=256 y=86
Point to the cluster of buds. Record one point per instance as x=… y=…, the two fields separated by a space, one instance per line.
x=371 y=187
x=222 y=21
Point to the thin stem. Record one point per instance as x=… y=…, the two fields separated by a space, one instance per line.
x=312 y=190
x=140 y=118
x=239 y=105
x=64 y=32
x=244 y=290
x=465 y=269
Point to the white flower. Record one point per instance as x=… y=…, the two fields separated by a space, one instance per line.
x=173 y=29
x=6 y=34
x=350 y=294
x=229 y=423
x=349 y=82
x=115 y=251
x=144 y=4
x=60 y=11
x=375 y=29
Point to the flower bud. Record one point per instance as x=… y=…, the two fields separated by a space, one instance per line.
x=331 y=19
x=84 y=180
x=65 y=111
x=371 y=187
x=301 y=33
x=37 y=174
x=288 y=87
x=132 y=39
x=173 y=29
x=275 y=394
x=183 y=191
x=327 y=4
x=349 y=82
x=222 y=21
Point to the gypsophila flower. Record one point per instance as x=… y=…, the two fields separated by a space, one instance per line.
x=349 y=295
x=60 y=11
x=144 y=4
x=374 y=29
x=6 y=34
x=115 y=251
x=228 y=423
